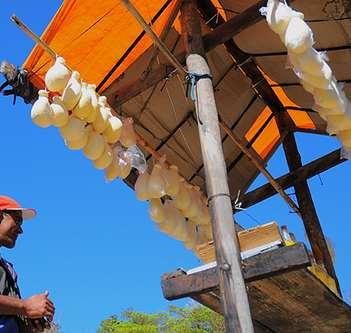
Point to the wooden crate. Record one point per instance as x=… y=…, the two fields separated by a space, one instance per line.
x=252 y=241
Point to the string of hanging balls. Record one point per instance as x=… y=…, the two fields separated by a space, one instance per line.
x=312 y=69
x=86 y=123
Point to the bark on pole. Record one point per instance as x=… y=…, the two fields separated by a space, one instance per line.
x=233 y=291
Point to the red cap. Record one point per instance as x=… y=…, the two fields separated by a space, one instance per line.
x=7 y=203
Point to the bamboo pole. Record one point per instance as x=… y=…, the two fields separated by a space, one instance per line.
x=53 y=54
x=260 y=167
x=32 y=35
x=158 y=42
x=233 y=291
x=164 y=33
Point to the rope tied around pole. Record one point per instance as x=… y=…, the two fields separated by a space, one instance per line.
x=210 y=198
x=192 y=79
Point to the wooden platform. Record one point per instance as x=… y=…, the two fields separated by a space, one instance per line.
x=284 y=295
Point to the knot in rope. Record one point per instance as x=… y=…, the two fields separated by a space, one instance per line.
x=192 y=79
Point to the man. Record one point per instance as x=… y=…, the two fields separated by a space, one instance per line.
x=17 y=315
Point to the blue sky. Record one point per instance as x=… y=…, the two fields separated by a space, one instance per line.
x=92 y=245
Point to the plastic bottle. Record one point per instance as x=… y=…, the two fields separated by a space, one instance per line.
x=41 y=112
x=57 y=76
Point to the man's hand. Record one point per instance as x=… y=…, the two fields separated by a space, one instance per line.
x=39 y=306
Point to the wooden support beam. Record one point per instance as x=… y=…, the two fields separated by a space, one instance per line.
x=307 y=171
x=307 y=209
x=260 y=166
x=264 y=265
x=118 y=95
x=244 y=61
x=285 y=124
x=233 y=291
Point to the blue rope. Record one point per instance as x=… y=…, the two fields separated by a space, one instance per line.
x=192 y=79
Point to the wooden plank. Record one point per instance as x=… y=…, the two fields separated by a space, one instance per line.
x=249 y=240
x=293 y=302
x=302 y=173
x=266 y=264
x=235 y=303
x=297 y=302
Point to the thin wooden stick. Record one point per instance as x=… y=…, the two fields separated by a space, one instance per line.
x=164 y=34
x=260 y=167
x=32 y=35
x=158 y=42
x=53 y=54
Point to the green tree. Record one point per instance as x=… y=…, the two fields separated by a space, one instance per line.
x=191 y=319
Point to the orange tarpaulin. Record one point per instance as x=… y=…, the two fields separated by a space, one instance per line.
x=93 y=36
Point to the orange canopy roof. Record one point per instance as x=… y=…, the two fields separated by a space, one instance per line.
x=101 y=39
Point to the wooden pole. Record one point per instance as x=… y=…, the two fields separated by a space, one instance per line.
x=308 y=211
x=233 y=291
x=32 y=35
x=158 y=42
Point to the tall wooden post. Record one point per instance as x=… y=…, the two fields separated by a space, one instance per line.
x=233 y=291
x=307 y=209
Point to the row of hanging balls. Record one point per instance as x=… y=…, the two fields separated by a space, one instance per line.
x=312 y=69
x=179 y=208
x=84 y=119
x=86 y=123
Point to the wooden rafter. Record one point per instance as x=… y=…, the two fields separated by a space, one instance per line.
x=307 y=171
x=119 y=95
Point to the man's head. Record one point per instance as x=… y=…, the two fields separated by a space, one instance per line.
x=11 y=217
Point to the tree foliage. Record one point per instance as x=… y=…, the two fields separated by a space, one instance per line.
x=191 y=319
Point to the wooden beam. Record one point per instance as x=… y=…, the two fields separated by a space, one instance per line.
x=236 y=24
x=261 y=266
x=244 y=61
x=307 y=209
x=260 y=166
x=158 y=42
x=118 y=95
x=234 y=297
x=290 y=179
